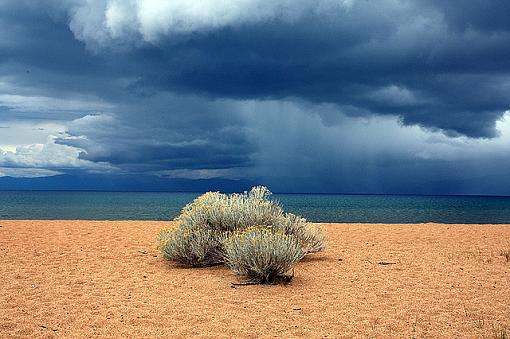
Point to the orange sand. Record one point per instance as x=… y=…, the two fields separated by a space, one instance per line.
x=84 y=278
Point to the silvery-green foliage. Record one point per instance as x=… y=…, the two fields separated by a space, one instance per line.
x=212 y=217
x=310 y=236
x=259 y=192
x=198 y=247
x=232 y=212
x=262 y=254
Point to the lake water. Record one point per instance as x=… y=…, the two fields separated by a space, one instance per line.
x=314 y=207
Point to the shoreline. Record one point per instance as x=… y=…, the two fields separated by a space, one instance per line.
x=164 y=222
x=77 y=278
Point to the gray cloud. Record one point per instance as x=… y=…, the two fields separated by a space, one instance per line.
x=328 y=94
x=445 y=73
x=178 y=132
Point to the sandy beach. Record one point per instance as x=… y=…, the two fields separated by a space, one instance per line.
x=89 y=278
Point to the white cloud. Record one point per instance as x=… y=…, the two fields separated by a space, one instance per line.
x=100 y=22
x=48 y=156
x=15 y=133
x=27 y=172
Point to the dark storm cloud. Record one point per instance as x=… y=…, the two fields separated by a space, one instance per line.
x=162 y=132
x=438 y=65
x=474 y=14
x=283 y=89
x=137 y=129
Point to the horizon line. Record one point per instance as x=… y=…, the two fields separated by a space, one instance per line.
x=275 y=193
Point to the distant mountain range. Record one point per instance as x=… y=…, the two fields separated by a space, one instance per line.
x=100 y=182
x=123 y=183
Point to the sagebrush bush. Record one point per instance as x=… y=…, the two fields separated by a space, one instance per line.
x=262 y=254
x=309 y=236
x=205 y=225
x=198 y=247
x=230 y=213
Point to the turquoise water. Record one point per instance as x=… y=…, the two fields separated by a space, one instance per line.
x=315 y=207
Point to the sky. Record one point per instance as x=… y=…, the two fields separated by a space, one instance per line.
x=332 y=96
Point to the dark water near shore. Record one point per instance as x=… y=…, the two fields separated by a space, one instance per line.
x=315 y=207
